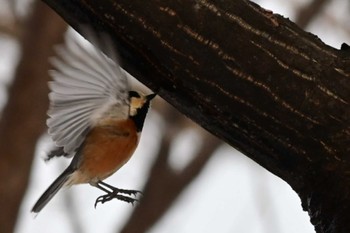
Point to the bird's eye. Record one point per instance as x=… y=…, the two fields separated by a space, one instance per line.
x=134 y=94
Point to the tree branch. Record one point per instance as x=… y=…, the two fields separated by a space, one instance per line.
x=308 y=13
x=251 y=77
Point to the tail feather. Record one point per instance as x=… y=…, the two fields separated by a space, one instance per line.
x=52 y=190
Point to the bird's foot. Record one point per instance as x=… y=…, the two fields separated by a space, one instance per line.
x=127 y=191
x=115 y=194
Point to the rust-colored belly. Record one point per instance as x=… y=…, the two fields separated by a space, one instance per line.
x=107 y=148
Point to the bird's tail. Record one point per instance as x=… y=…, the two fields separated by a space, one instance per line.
x=52 y=190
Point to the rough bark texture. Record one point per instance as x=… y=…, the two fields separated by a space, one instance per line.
x=23 y=119
x=251 y=77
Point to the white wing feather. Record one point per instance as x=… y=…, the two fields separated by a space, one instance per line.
x=86 y=84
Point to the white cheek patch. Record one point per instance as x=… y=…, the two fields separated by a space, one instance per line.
x=133 y=111
x=136 y=103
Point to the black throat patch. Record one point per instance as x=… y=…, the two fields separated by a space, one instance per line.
x=139 y=117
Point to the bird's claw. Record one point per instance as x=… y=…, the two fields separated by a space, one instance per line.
x=115 y=194
x=128 y=192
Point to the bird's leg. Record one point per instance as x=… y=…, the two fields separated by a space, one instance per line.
x=114 y=193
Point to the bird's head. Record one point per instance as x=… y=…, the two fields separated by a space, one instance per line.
x=139 y=105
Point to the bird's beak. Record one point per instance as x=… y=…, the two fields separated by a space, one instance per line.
x=151 y=96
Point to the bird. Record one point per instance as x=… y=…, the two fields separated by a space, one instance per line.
x=93 y=117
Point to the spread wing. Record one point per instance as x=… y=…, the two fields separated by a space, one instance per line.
x=85 y=84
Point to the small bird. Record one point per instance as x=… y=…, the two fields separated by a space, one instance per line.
x=94 y=117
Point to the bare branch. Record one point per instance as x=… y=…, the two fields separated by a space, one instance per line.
x=309 y=12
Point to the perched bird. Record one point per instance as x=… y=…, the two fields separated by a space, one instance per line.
x=94 y=117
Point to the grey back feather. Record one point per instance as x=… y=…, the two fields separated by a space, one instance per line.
x=86 y=84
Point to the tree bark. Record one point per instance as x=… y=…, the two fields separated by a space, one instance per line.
x=23 y=118
x=253 y=78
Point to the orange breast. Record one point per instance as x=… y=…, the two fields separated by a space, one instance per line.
x=107 y=148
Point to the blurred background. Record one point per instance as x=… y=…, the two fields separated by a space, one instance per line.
x=191 y=181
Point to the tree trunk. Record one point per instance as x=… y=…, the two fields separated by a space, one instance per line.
x=23 y=118
x=253 y=78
